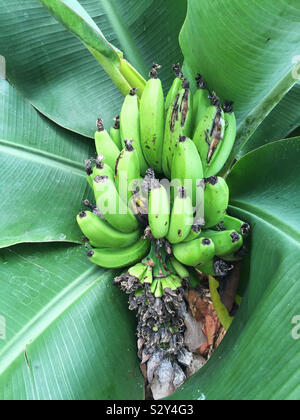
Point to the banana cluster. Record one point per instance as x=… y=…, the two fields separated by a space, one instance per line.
x=161 y=207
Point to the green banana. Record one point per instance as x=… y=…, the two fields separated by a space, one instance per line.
x=115 y=133
x=180 y=269
x=178 y=124
x=199 y=251
x=181 y=217
x=130 y=126
x=209 y=136
x=105 y=145
x=216 y=268
x=100 y=169
x=127 y=171
x=195 y=233
x=216 y=201
x=175 y=88
x=159 y=211
x=226 y=242
x=232 y=223
x=102 y=235
x=118 y=258
x=224 y=148
x=113 y=208
x=152 y=121
x=201 y=102
x=187 y=166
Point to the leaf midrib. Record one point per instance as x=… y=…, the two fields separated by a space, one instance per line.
x=41 y=156
x=48 y=315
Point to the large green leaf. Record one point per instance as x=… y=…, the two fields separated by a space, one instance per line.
x=246 y=51
x=53 y=69
x=259 y=359
x=279 y=124
x=69 y=334
x=42 y=176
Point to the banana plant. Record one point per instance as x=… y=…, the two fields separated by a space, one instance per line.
x=65 y=330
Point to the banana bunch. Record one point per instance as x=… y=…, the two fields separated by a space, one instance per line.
x=160 y=206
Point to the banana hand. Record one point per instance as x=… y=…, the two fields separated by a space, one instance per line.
x=118 y=258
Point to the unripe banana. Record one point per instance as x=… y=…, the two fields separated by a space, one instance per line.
x=195 y=233
x=100 y=169
x=216 y=268
x=113 y=208
x=115 y=133
x=180 y=269
x=201 y=102
x=209 y=136
x=159 y=211
x=102 y=235
x=178 y=124
x=105 y=145
x=175 y=88
x=187 y=166
x=199 y=251
x=152 y=121
x=118 y=258
x=181 y=217
x=223 y=149
x=216 y=201
x=226 y=242
x=232 y=223
x=130 y=126
x=127 y=171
